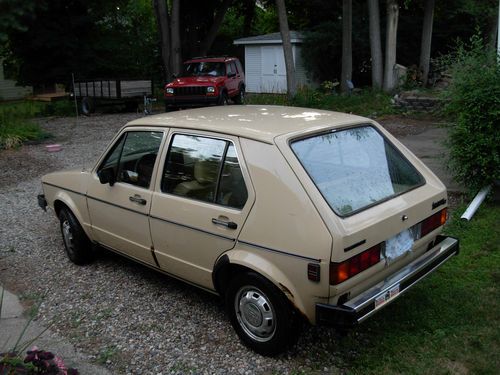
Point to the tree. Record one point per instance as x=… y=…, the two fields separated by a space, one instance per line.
x=176 y=52
x=163 y=18
x=346 y=74
x=212 y=32
x=390 y=45
x=425 y=50
x=375 y=44
x=287 y=49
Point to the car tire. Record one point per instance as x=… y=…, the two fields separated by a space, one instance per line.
x=240 y=98
x=87 y=106
x=223 y=98
x=261 y=314
x=78 y=246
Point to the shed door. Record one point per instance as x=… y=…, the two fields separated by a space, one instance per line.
x=273 y=70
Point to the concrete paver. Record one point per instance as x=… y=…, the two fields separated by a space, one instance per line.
x=12 y=323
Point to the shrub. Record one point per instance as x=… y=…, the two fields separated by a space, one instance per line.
x=473 y=101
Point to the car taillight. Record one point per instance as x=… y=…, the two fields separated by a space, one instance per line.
x=340 y=272
x=433 y=222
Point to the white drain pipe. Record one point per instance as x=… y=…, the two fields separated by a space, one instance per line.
x=476 y=202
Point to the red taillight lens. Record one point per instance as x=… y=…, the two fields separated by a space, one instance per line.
x=340 y=272
x=433 y=222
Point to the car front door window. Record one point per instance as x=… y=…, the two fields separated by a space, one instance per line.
x=133 y=157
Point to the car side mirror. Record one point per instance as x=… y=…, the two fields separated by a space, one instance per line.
x=107 y=176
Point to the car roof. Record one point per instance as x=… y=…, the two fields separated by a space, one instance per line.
x=259 y=122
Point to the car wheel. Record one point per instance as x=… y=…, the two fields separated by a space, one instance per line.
x=260 y=314
x=77 y=244
x=223 y=99
x=240 y=98
x=88 y=106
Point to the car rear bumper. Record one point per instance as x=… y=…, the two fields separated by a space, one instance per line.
x=190 y=101
x=366 y=304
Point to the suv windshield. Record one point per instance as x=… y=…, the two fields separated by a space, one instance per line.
x=355 y=168
x=204 y=68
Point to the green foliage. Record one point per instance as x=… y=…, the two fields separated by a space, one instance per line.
x=473 y=100
x=365 y=103
x=15 y=127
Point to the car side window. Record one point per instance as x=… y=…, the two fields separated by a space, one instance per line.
x=133 y=157
x=229 y=69
x=205 y=169
x=233 y=67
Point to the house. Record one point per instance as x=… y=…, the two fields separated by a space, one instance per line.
x=9 y=89
x=265 y=70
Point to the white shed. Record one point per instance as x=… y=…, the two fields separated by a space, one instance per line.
x=265 y=70
x=9 y=90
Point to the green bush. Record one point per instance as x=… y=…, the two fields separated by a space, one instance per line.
x=473 y=101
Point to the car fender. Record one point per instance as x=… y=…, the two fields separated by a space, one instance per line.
x=65 y=198
x=270 y=271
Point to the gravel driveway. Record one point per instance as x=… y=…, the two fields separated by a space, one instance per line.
x=119 y=313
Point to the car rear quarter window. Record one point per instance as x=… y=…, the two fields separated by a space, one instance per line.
x=205 y=169
x=355 y=168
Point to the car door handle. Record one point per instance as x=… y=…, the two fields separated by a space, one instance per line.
x=228 y=224
x=137 y=199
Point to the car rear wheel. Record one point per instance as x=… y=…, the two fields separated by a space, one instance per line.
x=77 y=244
x=260 y=314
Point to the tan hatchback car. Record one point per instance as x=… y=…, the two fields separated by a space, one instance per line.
x=289 y=214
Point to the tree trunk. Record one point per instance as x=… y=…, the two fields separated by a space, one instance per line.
x=390 y=45
x=207 y=42
x=375 y=44
x=161 y=13
x=425 y=49
x=346 y=74
x=249 y=10
x=287 y=49
x=176 y=38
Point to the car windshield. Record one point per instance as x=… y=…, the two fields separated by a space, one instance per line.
x=355 y=168
x=204 y=68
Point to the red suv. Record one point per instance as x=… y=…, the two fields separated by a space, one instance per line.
x=205 y=81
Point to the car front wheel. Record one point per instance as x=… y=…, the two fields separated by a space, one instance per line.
x=223 y=99
x=260 y=314
x=78 y=246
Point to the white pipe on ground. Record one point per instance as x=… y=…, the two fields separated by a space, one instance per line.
x=476 y=202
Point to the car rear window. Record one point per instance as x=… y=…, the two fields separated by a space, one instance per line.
x=355 y=168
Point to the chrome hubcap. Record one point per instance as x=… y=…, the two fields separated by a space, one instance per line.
x=255 y=313
x=67 y=235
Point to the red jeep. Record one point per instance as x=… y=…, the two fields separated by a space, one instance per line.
x=205 y=81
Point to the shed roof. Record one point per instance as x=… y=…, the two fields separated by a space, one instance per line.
x=259 y=122
x=273 y=38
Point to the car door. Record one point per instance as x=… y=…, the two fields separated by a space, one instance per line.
x=119 y=211
x=232 y=80
x=199 y=204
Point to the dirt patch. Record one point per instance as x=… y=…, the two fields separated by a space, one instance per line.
x=401 y=126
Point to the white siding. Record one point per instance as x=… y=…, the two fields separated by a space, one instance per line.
x=9 y=90
x=253 y=68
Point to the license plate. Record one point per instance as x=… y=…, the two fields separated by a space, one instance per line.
x=386 y=297
x=398 y=245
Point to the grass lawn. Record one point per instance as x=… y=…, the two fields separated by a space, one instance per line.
x=16 y=126
x=449 y=323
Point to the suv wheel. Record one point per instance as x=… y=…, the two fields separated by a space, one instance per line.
x=240 y=98
x=223 y=98
x=260 y=314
